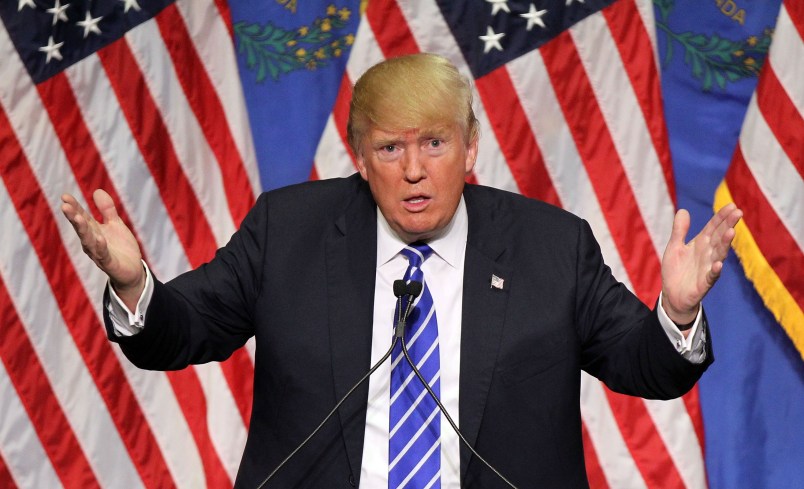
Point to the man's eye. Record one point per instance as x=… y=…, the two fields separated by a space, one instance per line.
x=389 y=148
x=435 y=143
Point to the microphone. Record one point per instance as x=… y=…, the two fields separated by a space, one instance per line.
x=401 y=289
x=417 y=286
x=412 y=290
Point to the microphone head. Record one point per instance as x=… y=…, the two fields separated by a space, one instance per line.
x=400 y=288
x=415 y=288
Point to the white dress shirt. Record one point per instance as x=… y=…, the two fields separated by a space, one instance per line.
x=442 y=271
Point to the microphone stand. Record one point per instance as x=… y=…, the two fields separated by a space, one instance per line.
x=412 y=290
x=359 y=382
x=400 y=290
x=446 y=414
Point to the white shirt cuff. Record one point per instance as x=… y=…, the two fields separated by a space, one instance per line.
x=693 y=346
x=125 y=322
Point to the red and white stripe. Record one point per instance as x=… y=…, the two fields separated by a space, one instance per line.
x=157 y=119
x=766 y=177
x=601 y=152
x=773 y=130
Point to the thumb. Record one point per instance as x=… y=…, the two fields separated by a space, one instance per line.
x=681 y=226
x=105 y=204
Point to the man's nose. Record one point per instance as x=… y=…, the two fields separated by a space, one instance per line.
x=413 y=165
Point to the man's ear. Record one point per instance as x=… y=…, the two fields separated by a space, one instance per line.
x=471 y=154
x=361 y=166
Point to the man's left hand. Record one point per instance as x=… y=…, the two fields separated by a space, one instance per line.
x=690 y=270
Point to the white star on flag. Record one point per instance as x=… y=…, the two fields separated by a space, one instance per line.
x=569 y=2
x=89 y=24
x=492 y=40
x=52 y=49
x=534 y=17
x=58 y=12
x=497 y=5
x=129 y=4
x=25 y=3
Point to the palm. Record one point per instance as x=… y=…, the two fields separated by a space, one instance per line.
x=123 y=262
x=690 y=270
x=110 y=244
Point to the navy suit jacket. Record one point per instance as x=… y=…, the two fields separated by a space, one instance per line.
x=299 y=275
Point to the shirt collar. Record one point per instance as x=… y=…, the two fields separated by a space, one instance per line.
x=448 y=246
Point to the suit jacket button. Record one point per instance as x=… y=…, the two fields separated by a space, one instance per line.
x=351 y=480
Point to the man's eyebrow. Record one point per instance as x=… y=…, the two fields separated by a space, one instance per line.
x=434 y=133
x=386 y=141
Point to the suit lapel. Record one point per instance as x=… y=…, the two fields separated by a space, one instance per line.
x=351 y=264
x=483 y=309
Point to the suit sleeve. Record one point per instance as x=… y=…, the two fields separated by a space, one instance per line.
x=205 y=314
x=623 y=343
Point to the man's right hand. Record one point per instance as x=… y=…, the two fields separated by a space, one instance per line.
x=110 y=244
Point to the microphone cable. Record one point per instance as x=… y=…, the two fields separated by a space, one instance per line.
x=401 y=336
x=413 y=289
x=400 y=290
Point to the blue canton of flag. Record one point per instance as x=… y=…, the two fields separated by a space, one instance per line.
x=50 y=36
x=494 y=32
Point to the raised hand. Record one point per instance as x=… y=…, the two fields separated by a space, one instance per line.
x=110 y=244
x=690 y=270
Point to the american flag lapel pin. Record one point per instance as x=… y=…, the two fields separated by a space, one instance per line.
x=497 y=282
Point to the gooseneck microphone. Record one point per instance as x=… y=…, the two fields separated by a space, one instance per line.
x=401 y=289
x=412 y=290
x=401 y=336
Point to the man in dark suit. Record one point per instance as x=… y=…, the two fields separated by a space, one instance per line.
x=523 y=299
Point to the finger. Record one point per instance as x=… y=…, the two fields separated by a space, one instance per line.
x=727 y=216
x=91 y=236
x=734 y=217
x=681 y=226
x=723 y=246
x=724 y=233
x=69 y=212
x=726 y=209
x=728 y=237
x=714 y=273
x=69 y=199
x=105 y=204
x=75 y=214
x=93 y=242
x=85 y=226
x=717 y=220
x=100 y=252
x=70 y=206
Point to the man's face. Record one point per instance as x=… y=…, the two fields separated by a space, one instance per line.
x=417 y=176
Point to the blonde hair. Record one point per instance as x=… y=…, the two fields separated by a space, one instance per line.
x=408 y=92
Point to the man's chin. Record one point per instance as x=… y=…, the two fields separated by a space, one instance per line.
x=418 y=233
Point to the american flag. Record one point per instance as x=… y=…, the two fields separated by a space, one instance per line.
x=766 y=178
x=141 y=97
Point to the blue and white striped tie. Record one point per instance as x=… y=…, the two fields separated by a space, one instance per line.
x=415 y=422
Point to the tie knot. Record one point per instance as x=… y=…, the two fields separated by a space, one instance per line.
x=417 y=253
